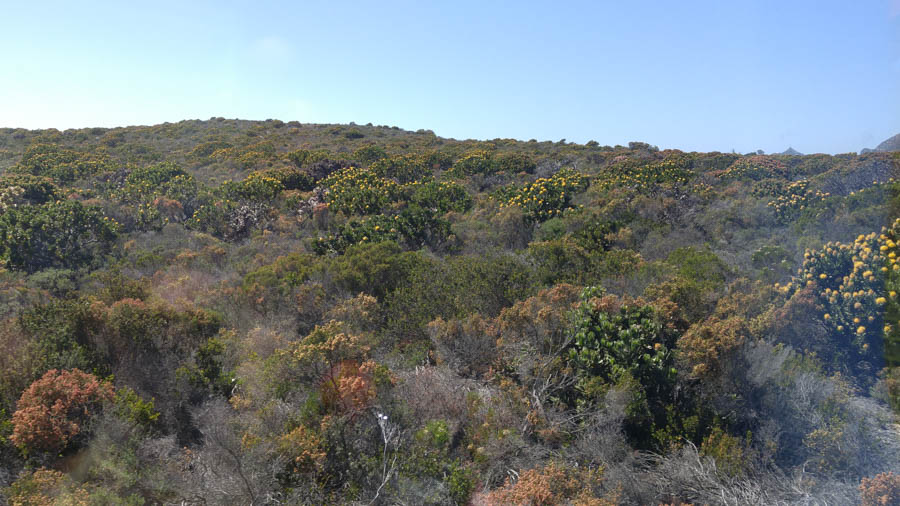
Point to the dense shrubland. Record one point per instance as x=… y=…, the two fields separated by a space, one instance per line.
x=234 y=312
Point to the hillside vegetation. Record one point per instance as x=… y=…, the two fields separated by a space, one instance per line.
x=240 y=312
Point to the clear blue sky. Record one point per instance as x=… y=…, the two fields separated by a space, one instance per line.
x=821 y=76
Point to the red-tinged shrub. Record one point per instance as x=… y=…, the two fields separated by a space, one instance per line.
x=349 y=387
x=551 y=485
x=53 y=410
x=882 y=490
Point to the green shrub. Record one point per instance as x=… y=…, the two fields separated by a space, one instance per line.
x=64 y=165
x=403 y=168
x=625 y=343
x=359 y=191
x=545 y=198
x=129 y=406
x=58 y=234
x=60 y=331
x=257 y=187
x=442 y=197
x=474 y=162
x=648 y=177
x=513 y=163
x=28 y=189
x=207 y=370
x=369 y=153
x=304 y=157
x=700 y=266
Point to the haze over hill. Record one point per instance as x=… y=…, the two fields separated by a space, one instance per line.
x=892 y=144
x=888 y=145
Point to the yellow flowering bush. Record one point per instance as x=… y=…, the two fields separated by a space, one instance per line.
x=478 y=161
x=247 y=156
x=644 y=177
x=754 y=167
x=794 y=198
x=257 y=187
x=403 y=168
x=545 y=198
x=413 y=227
x=856 y=285
x=356 y=190
x=62 y=164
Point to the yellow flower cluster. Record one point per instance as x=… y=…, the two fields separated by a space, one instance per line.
x=474 y=162
x=62 y=163
x=755 y=167
x=703 y=190
x=547 y=197
x=673 y=171
x=797 y=197
x=856 y=284
x=356 y=190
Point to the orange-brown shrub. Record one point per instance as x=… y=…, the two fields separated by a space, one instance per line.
x=551 y=485
x=882 y=490
x=54 y=409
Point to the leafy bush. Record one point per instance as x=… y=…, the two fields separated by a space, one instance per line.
x=881 y=490
x=46 y=486
x=207 y=371
x=624 y=342
x=414 y=227
x=648 y=178
x=442 y=197
x=547 y=197
x=63 y=234
x=754 y=167
x=377 y=268
x=130 y=407
x=613 y=338
x=247 y=156
x=514 y=163
x=402 y=168
x=700 y=265
x=53 y=410
x=304 y=157
x=369 y=153
x=474 y=162
x=18 y=189
x=64 y=165
x=60 y=334
x=167 y=180
x=359 y=191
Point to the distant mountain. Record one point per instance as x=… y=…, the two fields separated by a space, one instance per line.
x=791 y=151
x=892 y=144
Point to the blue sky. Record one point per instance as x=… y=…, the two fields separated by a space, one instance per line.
x=821 y=76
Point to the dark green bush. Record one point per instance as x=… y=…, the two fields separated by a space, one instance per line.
x=58 y=234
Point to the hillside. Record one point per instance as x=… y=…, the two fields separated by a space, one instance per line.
x=237 y=312
x=892 y=144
